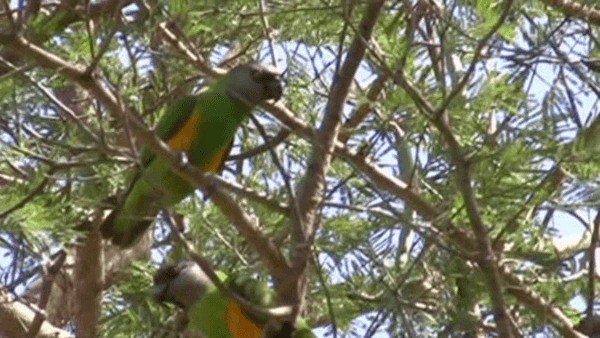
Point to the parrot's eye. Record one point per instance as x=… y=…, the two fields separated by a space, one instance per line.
x=262 y=75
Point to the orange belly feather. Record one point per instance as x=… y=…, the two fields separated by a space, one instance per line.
x=239 y=325
x=183 y=140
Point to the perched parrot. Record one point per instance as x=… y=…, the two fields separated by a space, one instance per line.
x=202 y=127
x=213 y=315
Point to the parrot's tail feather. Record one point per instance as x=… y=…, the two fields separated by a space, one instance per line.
x=126 y=237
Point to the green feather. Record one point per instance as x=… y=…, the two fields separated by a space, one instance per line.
x=207 y=315
x=170 y=122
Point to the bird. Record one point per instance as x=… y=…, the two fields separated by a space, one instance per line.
x=199 y=127
x=213 y=315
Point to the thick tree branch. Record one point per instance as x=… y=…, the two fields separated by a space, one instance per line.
x=15 y=318
x=48 y=280
x=312 y=186
x=89 y=282
x=576 y=9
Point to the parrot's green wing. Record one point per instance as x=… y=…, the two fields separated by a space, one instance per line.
x=588 y=139
x=304 y=333
x=303 y=330
x=289 y=330
x=217 y=316
x=207 y=316
x=262 y=295
x=203 y=127
x=255 y=291
x=174 y=117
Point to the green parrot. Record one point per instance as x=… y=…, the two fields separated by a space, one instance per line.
x=210 y=313
x=201 y=127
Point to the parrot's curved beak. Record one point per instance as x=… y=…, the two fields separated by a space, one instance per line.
x=274 y=88
x=158 y=293
x=270 y=78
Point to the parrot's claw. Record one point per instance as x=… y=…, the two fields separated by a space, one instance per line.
x=183 y=159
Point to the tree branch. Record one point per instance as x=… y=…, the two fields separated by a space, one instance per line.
x=15 y=318
x=576 y=9
x=48 y=280
x=540 y=305
x=312 y=186
x=487 y=258
x=363 y=110
x=89 y=282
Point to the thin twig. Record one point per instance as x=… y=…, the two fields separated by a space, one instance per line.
x=30 y=196
x=328 y=298
x=269 y=31
x=251 y=194
x=270 y=143
x=64 y=107
x=363 y=110
x=284 y=176
x=476 y=56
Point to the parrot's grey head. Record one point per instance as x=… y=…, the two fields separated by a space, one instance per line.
x=253 y=83
x=182 y=284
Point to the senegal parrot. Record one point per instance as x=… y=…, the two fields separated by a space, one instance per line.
x=202 y=127
x=213 y=315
